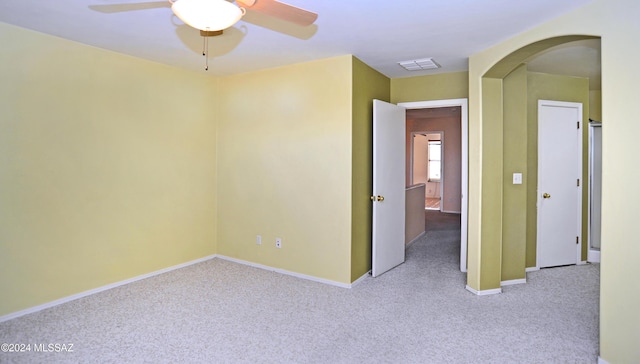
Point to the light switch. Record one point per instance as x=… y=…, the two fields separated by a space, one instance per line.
x=517 y=178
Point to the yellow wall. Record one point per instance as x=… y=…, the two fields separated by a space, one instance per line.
x=368 y=84
x=104 y=177
x=107 y=168
x=440 y=86
x=514 y=199
x=595 y=105
x=616 y=22
x=518 y=135
x=558 y=88
x=285 y=165
x=492 y=181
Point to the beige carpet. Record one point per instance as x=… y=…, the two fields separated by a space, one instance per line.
x=222 y=312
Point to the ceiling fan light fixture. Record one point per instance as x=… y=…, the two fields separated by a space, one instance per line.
x=208 y=15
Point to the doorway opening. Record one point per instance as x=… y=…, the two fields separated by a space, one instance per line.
x=445 y=114
x=426 y=166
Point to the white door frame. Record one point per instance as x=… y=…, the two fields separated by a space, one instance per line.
x=411 y=153
x=464 y=120
x=411 y=161
x=577 y=106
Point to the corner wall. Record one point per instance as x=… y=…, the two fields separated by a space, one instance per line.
x=368 y=84
x=514 y=199
x=285 y=167
x=107 y=168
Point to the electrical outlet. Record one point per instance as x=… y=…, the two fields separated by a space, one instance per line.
x=278 y=243
x=258 y=239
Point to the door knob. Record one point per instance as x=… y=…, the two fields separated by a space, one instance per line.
x=377 y=198
x=546 y=195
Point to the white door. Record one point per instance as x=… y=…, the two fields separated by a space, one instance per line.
x=559 y=184
x=388 y=186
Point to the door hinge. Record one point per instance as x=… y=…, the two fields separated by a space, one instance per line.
x=577 y=240
x=578 y=182
x=578 y=125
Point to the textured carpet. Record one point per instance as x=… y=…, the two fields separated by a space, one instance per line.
x=223 y=312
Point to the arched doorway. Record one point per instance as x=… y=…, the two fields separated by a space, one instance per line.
x=498 y=260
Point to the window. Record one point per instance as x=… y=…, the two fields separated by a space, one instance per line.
x=434 y=163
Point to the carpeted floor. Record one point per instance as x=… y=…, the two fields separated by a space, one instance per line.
x=223 y=312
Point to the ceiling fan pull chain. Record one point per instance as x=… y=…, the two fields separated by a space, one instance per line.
x=205 y=51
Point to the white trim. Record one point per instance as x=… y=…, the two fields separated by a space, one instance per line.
x=513 y=281
x=100 y=289
x=287 y=272
x=532 y=269
x=486 y=292
x=415 y=239
x=602 y=361
x=464 y=121
x=593 y=256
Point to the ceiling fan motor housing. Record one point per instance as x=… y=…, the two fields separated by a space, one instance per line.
x=207 y=15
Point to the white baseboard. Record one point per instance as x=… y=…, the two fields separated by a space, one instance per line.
x=168 y=269
x=532 y=269
x=415 y=239
x=513 y=281
x=602 y=361
x=593 y=256
x=485 y=292
x=100 y=289
x=287 y=272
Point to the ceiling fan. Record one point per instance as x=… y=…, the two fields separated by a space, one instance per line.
x=211 y=17
x=225 y=9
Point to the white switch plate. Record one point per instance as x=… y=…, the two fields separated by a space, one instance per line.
x=258 y=239
x=517 y=178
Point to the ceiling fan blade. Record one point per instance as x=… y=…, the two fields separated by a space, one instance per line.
x=280 y=10
x=119 y=8
x=280 y=26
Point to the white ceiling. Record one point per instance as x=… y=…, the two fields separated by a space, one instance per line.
x=380 y=33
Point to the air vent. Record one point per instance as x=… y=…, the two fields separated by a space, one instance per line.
x=419 y=64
